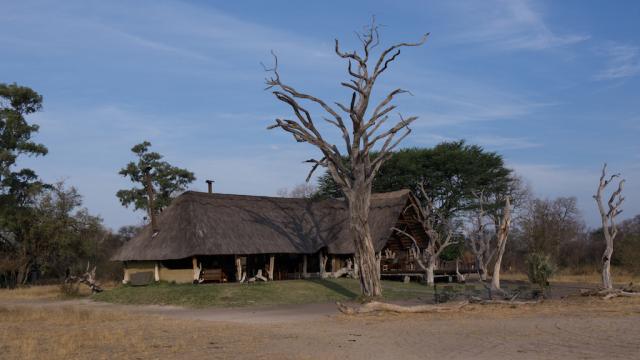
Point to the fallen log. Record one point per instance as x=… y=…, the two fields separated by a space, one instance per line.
x=477 y=300
x=608 y=294
x=376 y=306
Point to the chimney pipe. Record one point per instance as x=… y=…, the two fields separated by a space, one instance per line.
x=210 y=185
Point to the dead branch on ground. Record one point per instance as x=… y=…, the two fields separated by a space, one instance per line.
x=88 y=278
x=376 y=306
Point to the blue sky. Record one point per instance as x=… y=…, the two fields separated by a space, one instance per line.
x=553 y=86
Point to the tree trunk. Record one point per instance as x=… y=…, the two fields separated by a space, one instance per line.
x=430 y=276
x=482 y=267
x=495 y=277
x=607 y=283
x=365 y=255
x=23 y=274
x=323 y=265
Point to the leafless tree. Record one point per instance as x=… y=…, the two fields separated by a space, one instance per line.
x=304 y=190
x=502 y=221
x=439 y=230
x=608 y=217
x=365 y=134
x=481 y=240
x=88 y=278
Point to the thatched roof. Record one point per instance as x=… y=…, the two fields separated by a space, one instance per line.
x=199 y=223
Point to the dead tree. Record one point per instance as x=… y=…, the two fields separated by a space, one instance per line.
x=480 y=239
x=502 y=220
x=608 y=218
x=367 y=133
x=438 y=229
x=482 y=242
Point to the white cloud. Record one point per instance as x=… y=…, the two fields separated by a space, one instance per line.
x=511 y=25
x=623 y=61
x=497 y=142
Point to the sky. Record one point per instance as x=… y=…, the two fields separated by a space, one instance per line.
x=553 y=86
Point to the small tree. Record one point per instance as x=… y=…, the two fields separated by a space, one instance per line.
x=365 y=135
x=539 y=270
x=608 y=218
x=159 y=180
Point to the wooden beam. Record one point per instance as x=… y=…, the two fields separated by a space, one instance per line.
x=127 y=277
x=238 y=269
x=272 y=260
x=196 y=269
x=304 y=267
x=156 y=272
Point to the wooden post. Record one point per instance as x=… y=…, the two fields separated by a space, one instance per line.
x=333 y=264
x=272 y=260
x=196 y=269
x=238 y=269
x=127 y=276
x=304 y=267
x=156 y=272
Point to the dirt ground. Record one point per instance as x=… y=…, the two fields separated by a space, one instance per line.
x=569 y=328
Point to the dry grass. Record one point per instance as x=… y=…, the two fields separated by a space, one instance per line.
x=45 y=292
x=75 y=333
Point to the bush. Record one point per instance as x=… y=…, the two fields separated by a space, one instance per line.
x=539 y=269
x=70 y=288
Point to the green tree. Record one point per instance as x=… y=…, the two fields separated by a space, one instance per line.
x=17 y=187
x=451 y=173
x=51 y=237
x=166 y=180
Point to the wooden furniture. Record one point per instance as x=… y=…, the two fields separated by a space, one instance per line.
x=213 y=275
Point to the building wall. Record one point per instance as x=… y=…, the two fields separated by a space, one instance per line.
x=180 y=276
x=175 y=275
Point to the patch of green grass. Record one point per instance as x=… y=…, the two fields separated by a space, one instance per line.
x=256 y=294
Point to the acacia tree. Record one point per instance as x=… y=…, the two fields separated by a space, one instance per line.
x=160 y=181
x=365 y=135
x=608 y=218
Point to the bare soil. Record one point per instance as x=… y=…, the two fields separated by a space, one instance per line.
x=569 y=328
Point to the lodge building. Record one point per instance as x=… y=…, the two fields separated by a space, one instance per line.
x=223 y=237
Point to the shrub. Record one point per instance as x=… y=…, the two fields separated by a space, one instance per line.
x=539 y=269
x=70 y=288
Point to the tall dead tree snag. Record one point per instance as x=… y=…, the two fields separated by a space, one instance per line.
x=502 y=221
x=486 y=245
x=480 y=239
x=367 y=133
x=608 y=217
